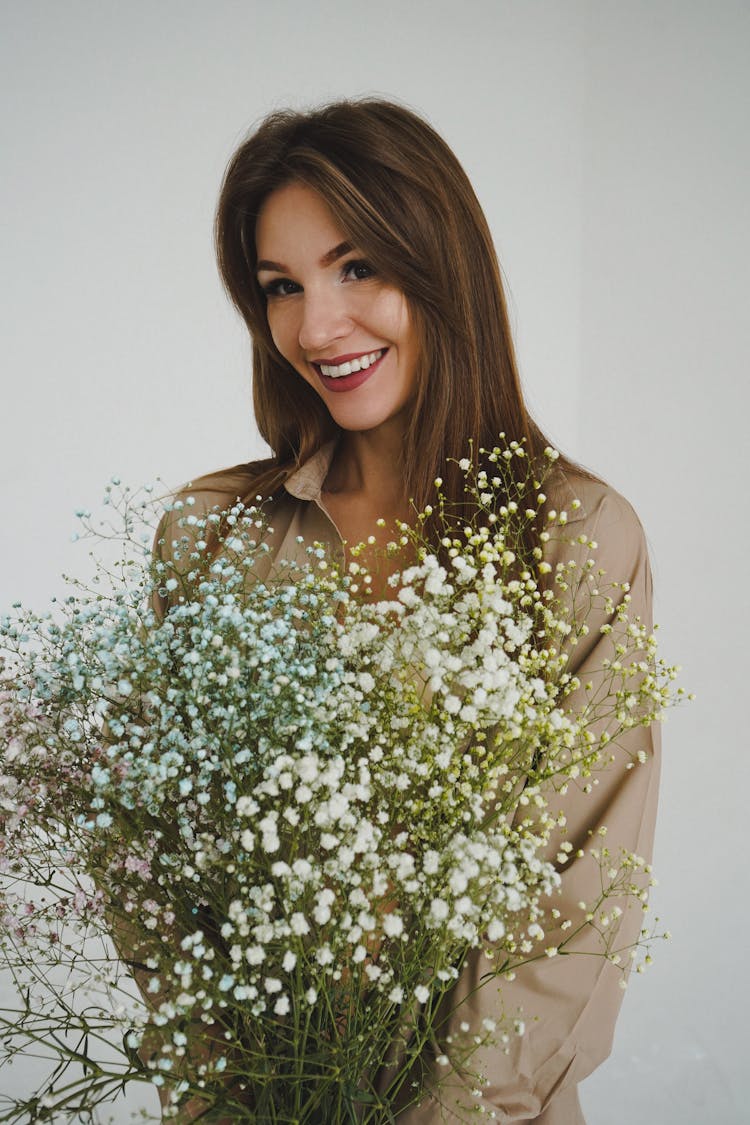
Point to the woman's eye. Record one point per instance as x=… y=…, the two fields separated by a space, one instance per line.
x=356 y=270
x=359 y=270
x=280 y=287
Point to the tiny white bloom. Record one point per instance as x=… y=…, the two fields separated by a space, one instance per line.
x=452 y=704
x=299 y=924
x=495 y=930
x=439 y=909
x=393 y=925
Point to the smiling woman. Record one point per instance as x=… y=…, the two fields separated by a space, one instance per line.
x=372 y=184
x=339 y=325
x=351 y=242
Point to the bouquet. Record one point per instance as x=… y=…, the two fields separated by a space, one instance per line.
x=289 y=812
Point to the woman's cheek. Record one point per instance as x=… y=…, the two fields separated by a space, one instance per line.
x=279 y=328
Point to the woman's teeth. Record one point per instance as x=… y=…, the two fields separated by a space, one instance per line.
x=352 y=365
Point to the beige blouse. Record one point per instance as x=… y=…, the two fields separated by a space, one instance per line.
x=569 y=1004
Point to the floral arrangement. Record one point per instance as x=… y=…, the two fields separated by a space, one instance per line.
x=292 y=810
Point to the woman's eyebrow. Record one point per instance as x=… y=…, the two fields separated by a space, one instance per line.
x=328 y=259
x=337 y=252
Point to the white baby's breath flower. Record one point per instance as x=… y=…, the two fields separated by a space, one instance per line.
x=308 y=768
x=458 y=882
x=452 y=704
x=299 y=924
x=431 y=861
x=246 y=806
x=393 y=925
x=439 y=909
x=322 y=910
x=324 y=955
x=496 y=930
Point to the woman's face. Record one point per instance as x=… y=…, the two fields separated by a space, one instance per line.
x=347 y=332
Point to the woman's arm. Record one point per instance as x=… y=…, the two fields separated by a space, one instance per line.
x=569 y=1002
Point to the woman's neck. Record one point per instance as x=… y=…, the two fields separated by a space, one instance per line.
x=368 y=465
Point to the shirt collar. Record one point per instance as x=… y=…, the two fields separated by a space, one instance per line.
x=306 y=482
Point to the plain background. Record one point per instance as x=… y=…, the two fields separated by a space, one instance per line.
x=608 y=143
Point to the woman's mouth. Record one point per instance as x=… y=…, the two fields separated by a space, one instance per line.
x=351 y=373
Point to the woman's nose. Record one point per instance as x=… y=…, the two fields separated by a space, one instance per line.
x=325 y=318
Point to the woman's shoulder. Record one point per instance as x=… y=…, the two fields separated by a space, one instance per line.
x=223 y=487
x=197 y=515
x=599 y=518
x=218 y=491
x=198 y=505
x=590 y=501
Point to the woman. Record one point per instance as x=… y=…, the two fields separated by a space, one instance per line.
x=352 y=244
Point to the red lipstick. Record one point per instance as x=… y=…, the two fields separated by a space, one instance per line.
x=347 y=382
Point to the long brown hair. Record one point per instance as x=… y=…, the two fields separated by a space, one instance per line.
x=402 y=198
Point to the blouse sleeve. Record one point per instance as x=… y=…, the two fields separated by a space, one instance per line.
x=569 y=1003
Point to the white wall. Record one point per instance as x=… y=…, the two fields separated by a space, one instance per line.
x=608 y=144
x=663 y=414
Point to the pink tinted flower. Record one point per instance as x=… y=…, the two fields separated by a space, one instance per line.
x=136 y=865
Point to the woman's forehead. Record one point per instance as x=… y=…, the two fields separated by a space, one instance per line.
x=298 y=217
